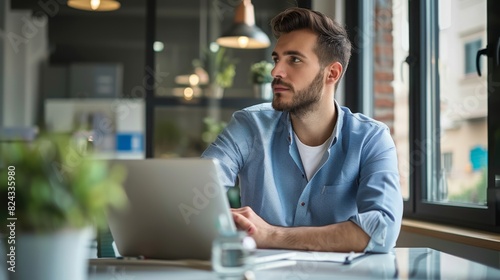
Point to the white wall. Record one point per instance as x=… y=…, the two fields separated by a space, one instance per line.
x=24 y=41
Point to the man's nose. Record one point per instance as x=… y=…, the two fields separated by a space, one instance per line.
x=278 y=71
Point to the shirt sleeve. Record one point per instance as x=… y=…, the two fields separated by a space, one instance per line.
x=379 y=200
x=231 y=148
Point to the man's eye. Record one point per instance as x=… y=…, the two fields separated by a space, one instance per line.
x=295 y=60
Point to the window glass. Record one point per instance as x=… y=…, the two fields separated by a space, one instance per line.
x=400 y=45
x=462 y=171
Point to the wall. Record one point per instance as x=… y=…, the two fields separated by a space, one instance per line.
x=383 y=65
x=24 y=46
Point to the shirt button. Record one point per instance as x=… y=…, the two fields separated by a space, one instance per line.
x=302 y=203
x=289 y=139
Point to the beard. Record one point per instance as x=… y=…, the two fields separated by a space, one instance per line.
x=303 y=101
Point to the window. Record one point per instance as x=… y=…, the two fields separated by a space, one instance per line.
x=400 y=46
x=450 y=141
x=443 y=132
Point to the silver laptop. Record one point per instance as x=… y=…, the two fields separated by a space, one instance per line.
x=176 y=208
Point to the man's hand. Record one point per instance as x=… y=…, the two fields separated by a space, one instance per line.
x=246 y=220
x=340 y=237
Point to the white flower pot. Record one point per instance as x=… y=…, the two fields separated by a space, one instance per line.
x=59 y=255
x=263 y=91
x=215 y=91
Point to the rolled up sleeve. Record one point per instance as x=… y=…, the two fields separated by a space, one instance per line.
x=379 y=200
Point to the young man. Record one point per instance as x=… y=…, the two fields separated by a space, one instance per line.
x=313 y=175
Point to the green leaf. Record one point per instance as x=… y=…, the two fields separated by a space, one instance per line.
x=59 y=185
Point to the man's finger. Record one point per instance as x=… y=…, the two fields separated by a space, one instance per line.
x=240 y=210
x=243 y=223
x=245 y=211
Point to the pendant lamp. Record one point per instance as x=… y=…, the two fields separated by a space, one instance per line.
x=94 y=5
x=244 y=34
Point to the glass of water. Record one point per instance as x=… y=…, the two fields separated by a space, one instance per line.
x=232 y=254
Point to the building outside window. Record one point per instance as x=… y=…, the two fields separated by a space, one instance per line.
x=470 y=51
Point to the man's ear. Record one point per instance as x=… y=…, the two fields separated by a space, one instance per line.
x=334 y=71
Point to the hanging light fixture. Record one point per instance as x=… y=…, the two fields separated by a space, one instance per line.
x=94 y=5
x=244 y=34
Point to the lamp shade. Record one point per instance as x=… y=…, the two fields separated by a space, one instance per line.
x=94 y=5
x=244 y=34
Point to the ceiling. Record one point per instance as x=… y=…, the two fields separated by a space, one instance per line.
x=165 y=8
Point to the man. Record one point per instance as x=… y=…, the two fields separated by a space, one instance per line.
x=313 y=175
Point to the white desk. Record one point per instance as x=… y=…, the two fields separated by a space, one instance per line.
x=403 y=263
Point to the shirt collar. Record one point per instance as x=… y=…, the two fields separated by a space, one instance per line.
x=285 y=118
x=338 y=125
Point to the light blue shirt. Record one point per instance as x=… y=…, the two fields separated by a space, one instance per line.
x=357 y=179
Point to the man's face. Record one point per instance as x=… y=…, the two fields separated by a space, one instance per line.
x=298 y=77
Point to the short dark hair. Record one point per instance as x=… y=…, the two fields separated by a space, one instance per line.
x=333 y=43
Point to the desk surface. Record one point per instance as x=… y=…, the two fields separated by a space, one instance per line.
x=402 y=263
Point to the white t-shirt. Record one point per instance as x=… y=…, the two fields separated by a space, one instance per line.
x=311 y=155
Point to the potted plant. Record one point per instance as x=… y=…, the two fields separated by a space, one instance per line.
x=222 y=69
x=225 y=68
x=260 y=75
x=55 y=194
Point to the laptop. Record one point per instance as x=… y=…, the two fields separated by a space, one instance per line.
x=176 y=209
